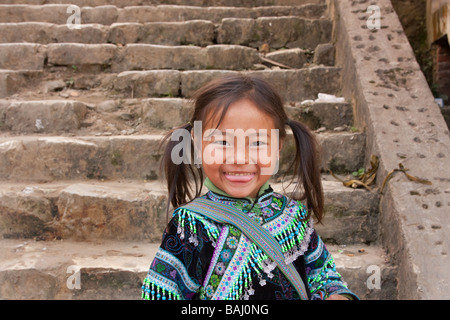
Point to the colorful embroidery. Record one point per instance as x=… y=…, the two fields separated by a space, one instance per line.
x=228 y=246
x=235 y=266
x=288 y=229
x=225 y=256
x=189 y=220
x=168 y=275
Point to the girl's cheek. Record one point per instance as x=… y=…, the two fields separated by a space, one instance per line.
x=213 y=154
x=268 y=161
x=260 y=156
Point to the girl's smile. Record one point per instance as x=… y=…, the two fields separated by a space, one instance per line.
x=239 y=177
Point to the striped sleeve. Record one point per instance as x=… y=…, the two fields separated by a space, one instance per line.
x=323 y=278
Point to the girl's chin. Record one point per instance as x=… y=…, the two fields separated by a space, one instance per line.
x=240 y=191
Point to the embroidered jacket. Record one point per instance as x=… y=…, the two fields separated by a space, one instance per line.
x=201 y=259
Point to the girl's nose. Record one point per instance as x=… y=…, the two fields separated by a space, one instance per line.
x=238 y=153
x=241 y=154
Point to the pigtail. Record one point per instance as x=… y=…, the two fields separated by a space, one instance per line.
x=179 y=177
x=307 y=169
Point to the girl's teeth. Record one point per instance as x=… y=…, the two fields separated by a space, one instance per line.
x=239 y=174
x=239 y=177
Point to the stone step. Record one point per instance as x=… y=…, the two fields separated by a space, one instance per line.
x=98 y=57
x=11 y=81
x=289 y=32
x=294 y=85
x=168 y=13
x=126 y=3
x=51 y=158
x=48 y=116
x=108 y=14
x=367 y=271
x=128 y=210
x=193 y=32
x=47 y=270
x=69 y=270
x=142 y=116
x=276 y=32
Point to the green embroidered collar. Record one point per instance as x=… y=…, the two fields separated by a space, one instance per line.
x=211 y=187
x=259 y=209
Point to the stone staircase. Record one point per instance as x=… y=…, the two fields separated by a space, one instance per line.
x=82 y=112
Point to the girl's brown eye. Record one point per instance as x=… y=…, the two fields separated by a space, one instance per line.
x=221 y=142
x=259 y=143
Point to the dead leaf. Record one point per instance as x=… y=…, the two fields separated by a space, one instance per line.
x=264 y=48
x=366 y=179
x=410 y=177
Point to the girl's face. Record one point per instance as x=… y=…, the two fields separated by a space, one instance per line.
x=239 y=156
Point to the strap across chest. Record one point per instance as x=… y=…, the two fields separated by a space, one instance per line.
x=223 y=213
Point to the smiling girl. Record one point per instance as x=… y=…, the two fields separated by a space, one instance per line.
x=242 y=240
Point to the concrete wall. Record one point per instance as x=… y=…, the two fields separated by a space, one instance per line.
x=395 y=107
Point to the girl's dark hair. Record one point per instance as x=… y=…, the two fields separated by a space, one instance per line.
x=217 y=96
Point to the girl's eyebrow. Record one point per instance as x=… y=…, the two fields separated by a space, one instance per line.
x=253 y=133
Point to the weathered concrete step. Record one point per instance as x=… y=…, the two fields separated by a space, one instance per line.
x=289 y=32
x=67 y=270
x=136 y=210
x=50 y=158
x=351 y=215
x=109 y=14
x=148 y=115
x=126 y=3
x=49 y=269
x=41 y=116
x=277 y=32
x=12 y=80
x=193 y=32
x=54 y=157
x=367 y=271
x=131 y=57
x=123 y=210
x=294 y=85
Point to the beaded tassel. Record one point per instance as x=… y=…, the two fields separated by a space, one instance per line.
x=292 y=238
x=262 y=261
x=145 y=290
x=180 y=229
x=243 y=287
x=189 y=220
x=192 y=225
x=150 y=291
x=248 y=284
